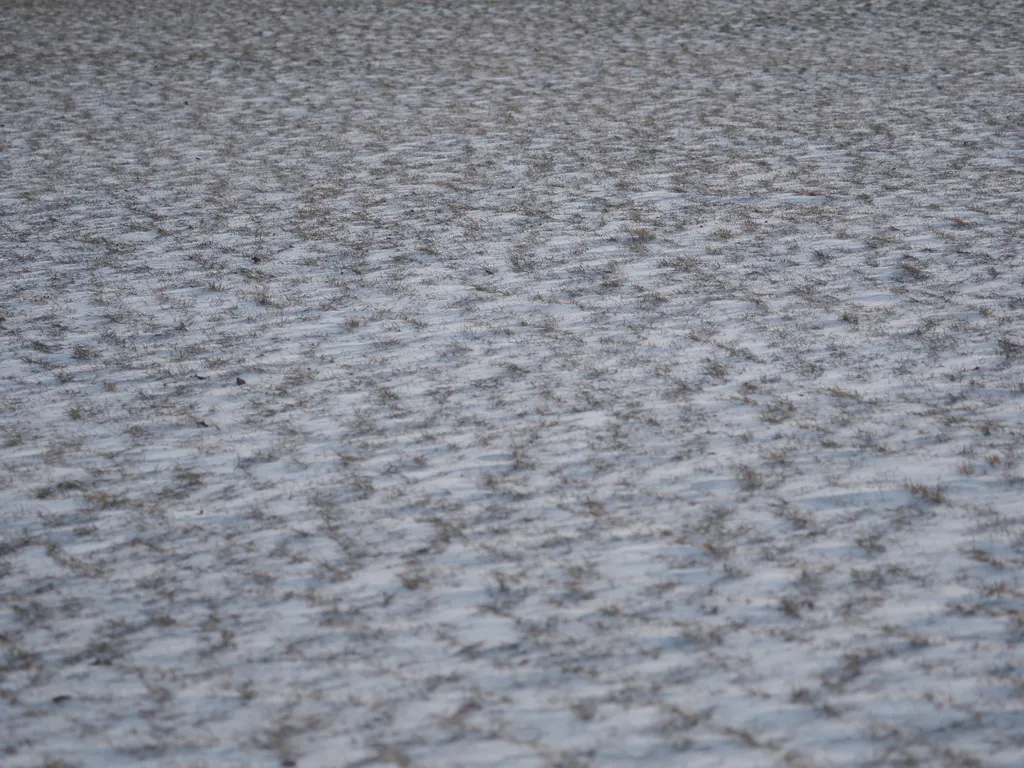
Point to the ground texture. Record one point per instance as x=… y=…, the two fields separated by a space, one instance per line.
x=511 y=384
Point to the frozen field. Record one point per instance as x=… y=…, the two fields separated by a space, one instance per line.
x=511 y=384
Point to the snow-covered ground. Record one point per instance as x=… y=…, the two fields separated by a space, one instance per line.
x=511 y=383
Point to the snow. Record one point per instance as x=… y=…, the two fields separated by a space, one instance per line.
x=511 y=384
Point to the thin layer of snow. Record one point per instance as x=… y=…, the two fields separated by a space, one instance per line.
x=511 y=384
